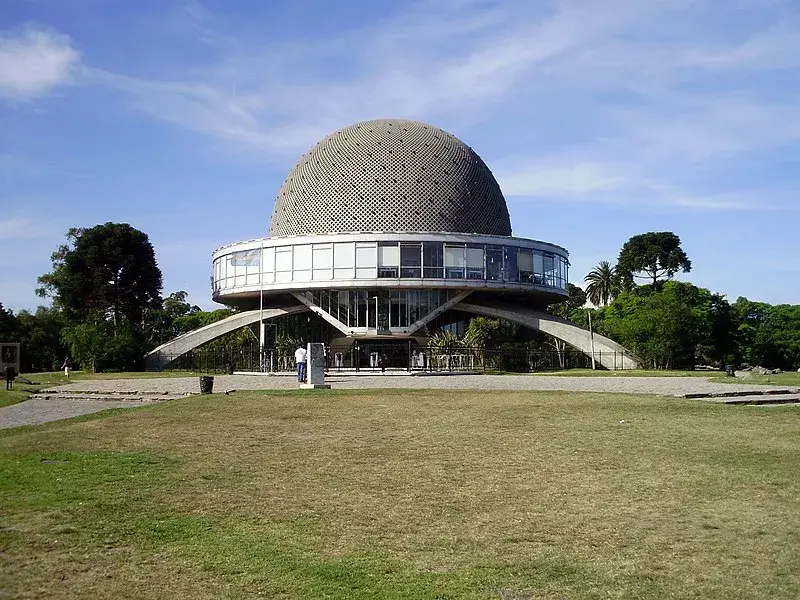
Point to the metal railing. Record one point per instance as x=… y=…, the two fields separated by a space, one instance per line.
x=382 y=357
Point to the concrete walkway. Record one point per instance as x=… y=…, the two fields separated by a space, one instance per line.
x=42 y=410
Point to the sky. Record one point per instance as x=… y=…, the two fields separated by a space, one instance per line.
x=600 y=120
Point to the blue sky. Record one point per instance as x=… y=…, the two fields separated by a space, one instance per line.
x=600 y=120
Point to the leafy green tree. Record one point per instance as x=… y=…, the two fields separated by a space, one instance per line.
x=662 y=325
x=480 y=332
x=653 y=255
x=108 y=285
x=8 y=325
x=109 y=268
x=175 y=305
x=602 y=284
x=40 y=335
x=767 y=335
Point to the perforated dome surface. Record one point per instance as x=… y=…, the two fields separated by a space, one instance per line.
x=390 y=175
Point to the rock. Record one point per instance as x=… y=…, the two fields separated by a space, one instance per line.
x=776 y=371
x=744 y=374
x=761 y=371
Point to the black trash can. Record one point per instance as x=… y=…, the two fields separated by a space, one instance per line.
x=730 y=370
x=206 y=384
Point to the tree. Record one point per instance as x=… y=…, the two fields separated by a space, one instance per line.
x=663 y=325
x=652 y=255
x=8 y=325
x=43 y=348
x=109 y=268
x=108 y=284
x=767 y=335
x=602 y=284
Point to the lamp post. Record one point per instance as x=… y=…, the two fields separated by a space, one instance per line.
x=115 y=282
x=591 y=335
x=261 y=308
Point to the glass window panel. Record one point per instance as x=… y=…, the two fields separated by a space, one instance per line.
x=268 y=278
x=549 y=269
x=253 y=278
x=344 y=255
x=268 y=260
x=366 y=273
x=283 y=276
x=302 y=275
x=302 y=257
x=410 y=255
x=388 y=254
x=524 y=260
x=366 y=255
x=433 y=272
x=387 y=271
x=494 y=263
x=475 y=258
x=510 y=264
x=454 y=256
x=454 y=272
x=432 y=254
x=322 y=274
x=283 y=259
x=538 y=267
x=323 y=257
x=433 y=260
x=344 y=273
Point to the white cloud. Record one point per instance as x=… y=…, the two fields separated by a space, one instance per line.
x=575 y=180
x=33 y=61
x=18 y=228
x=440 y=59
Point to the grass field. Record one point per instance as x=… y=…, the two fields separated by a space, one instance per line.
x=397 y=494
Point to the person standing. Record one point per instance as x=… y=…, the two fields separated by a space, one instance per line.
x=10 y=373
x=67 y=366
x=300 y=359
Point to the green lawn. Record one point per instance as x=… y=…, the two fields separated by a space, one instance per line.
x=398 y=494
x=715 y=376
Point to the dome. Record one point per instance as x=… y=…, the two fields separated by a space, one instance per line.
x=390 y=175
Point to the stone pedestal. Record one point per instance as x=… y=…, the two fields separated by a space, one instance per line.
x=315 y=368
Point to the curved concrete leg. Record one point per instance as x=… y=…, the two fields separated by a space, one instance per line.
x=606 y=351
x=160 y=357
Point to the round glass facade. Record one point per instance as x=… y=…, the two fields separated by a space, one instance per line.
x=389 y=260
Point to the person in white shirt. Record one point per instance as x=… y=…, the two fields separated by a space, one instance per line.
x=300 y=359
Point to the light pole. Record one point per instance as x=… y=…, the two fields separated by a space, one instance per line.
x=115 y=282
x=261 y=308
x=591 y=335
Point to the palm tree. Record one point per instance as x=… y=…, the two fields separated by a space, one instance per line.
x=603 y=284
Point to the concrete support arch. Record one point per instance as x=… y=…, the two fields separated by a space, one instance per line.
x=160 y=357
x=606 y=351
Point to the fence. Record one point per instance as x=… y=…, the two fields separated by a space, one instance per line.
x=381 y=357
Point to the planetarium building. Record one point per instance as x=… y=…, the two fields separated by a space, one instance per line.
x=387 y=231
